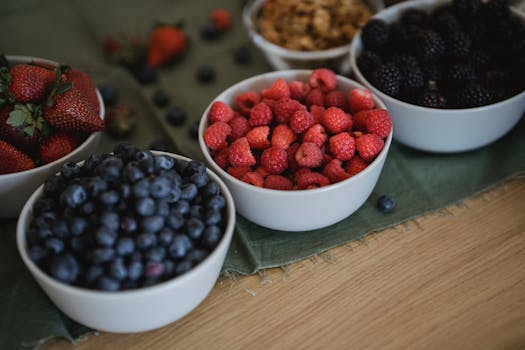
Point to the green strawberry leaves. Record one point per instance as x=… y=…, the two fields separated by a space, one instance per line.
x=26 y=117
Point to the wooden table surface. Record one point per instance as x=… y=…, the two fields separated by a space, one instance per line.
x=448 y=280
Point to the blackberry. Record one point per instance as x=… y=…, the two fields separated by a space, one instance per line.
x=387 y=78
x=404 y=60
x=474 y=95
x=412 y=78
x=466 y=7
x=446 y=23
x=458 y=45
x=496 y=78
x=375 y=34
x=477 y=29
x=432 y=99
x=432 y=72
x=479 y=58
x=429 y=46
x=460 y=74
x=415 y=16
x=368 y=61
x=496 y=9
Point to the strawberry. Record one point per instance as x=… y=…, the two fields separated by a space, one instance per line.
x=378 y=122
x=239 y=153
x=166 y=43
x=258 y=137
x=13 y=160
x=83 y=82
x=21 y=124
x=275 y=160
x=309 y=155
x=360 y=100
x=26 y=82
x=368 y=146
x=57 y=146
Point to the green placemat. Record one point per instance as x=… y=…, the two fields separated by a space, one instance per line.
x=72 y=31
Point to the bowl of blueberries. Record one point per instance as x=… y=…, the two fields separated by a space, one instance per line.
x=450 y=72
x=127 y=241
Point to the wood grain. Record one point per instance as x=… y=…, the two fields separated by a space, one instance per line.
x=448 y=280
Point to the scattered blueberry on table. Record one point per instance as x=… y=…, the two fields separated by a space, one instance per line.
x=386 y=203
x=205 y=73
x=242 y=55
x=145 y=74
x=109 y=93
x=176 y=115
x=161 y=98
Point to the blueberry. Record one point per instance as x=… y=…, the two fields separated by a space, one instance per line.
x=163 y=208
x=182 y=207
x=117 y=269
x=176 y=115
x=145 y=206
x=145 y=74
x=37 y=253
x=110 y=197
x=141 y=188
x=180 y=246
x=80 y=244
x=53 y=185
x=161 y=98
x=197 y=255
x=175 y=220
x=108 y=284
x=128 y=224
x=110 y=219
x=124 y=190
x=60 y=229
x=194 y=167
x=69 y=170
x=109 y=93
x=169 y=268
x=386 y=203
x=156 y=254
x=194 y=228
x=64 y=268
x=160 y=187
x=163 y=162
x=153 y=270
x=88 y=208
x=152 y=223
x=147 y=164
x=93 y=273
x=174 y=195
x=77 y=225
x=135 y=269
x=189 y=191
x=205 y=73
x=216 y=202
x=73 y=196
x=196 y=211
x=183 y=266
x=165 y=236
x=242 y=55
x=110 y=168
x=161 y=144
x=102 y=255
x=105 y=236
x=145 y=240
x=212 y=235
x=125 y=246
x=200 y=180
x=211 y=189
x=125 y=150
x=93 y=161
x=132 y=172
x=209 y=31
x=213 y=217
x=193 y=130
x=96 y=185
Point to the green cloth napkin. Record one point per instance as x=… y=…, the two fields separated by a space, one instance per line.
x=73 y=32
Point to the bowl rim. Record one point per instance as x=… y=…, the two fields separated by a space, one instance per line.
x=26 y=214
x=289 y=193
x=88 y=140
x=444 y=112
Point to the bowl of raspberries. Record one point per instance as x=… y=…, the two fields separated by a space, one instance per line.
x=49 y=114
x=299 y=149
x=452 y=73
x=127 y=241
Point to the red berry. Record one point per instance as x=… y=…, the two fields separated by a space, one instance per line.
x=240 y=126
x=309 y=155
x=13 y=160
x=278 y=90
x=292 y=163
x=335 y=98
x=359 y=120
x=283 y=136
x=315 y=97
x=239 y=153
x=311 y=180
x=360 y=100
x=284 y=108
x=274 y=160
x=57 y=146
x=238 y=171
x=261 y=114
x=298 y=90
x=300 y=121
x=220 y=111
x=342 y=146
x=166 y=43
x=278 y=182
x=368 y=146
x=216 y=134
x=378 y=122
x=258 y=137
x=335 y=120
x=262 y=171
x=253 y=178
x=323 y=78
x=355 y=165
x=315 y=134
x=334 y=171
x=246 y=101
x=221 y=157
x=221 y=18
x=317 y=113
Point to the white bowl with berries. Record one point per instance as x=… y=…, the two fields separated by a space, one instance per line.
x=299 y=149
x=138 y=243
x=43 y=124
x=450 y=72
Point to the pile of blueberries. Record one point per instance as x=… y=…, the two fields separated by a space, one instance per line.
x=126 y=220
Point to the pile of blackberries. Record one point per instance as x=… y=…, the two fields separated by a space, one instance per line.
x=126 y=220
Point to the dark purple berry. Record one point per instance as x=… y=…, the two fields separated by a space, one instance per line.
x=385 y=204
x=375 y=34
x=64 y=268
x=161 y=98
x=109 y=93
x=205 y=73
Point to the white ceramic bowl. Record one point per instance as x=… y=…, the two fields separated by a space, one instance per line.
x=441 y=130
x=281 y=58
x=301 y=210
x=134 y=310
x=17 y=187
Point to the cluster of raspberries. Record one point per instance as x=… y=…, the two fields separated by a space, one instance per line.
x=297 y=135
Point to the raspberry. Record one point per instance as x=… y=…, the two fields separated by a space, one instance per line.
x=238 y=171
x=335 y=120
x=253 y=178
x=278 y=90
x=261 y=114
x=317 y=113
x=240 y=126
x=221 y=157
x=342 y=146
x=334 y=171
x=311 y=180
x=378 y=122
x=355 y=165
x=284 y=108
x=315 y=134
x=292 y=163
x=239 y=153
x=246 y=101
x=368 y=146
x=262 y=171
x=269 y=102
x=359 y=120
x=216 y=134
x=298 y=90
x=335 y=98
x=309 y=155
x=258 y=137
x=220 y=111
x=360 y=99
x=323 y=78
x=274 y=160
x=283 y=136
x=277 y=182
x=300 y=121
x=315 y=97
x=221 y=19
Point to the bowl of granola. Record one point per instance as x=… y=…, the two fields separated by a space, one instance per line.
x=307 y=35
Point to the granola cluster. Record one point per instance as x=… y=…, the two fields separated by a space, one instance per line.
x=311 y=25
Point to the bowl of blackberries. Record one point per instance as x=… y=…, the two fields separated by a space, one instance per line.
x=127 y=241
x=452 y=73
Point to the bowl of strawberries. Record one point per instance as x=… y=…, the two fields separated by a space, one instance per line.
x=50 y=114
x=299 y=149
